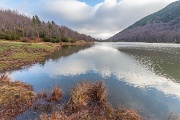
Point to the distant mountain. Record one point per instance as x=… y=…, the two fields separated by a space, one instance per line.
x=162 y=26
x=15 y=26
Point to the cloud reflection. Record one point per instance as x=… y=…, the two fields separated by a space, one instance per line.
x=107 y=61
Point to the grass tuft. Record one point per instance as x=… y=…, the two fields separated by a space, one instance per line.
x=15 y=97
x=88 y=101
x=56 y=94
x=127 y=114
x=79 y=96
x=41 y=95
x=99 y=92
x=43 y=116
x=54 y=116
x=4 y=78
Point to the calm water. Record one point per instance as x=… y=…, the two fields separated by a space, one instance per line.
x=141 y=76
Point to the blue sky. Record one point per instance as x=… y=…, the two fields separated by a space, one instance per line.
x=92 y=2
x=98 y=18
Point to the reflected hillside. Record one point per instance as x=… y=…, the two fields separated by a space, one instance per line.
x=64 y=52
x=162 y=60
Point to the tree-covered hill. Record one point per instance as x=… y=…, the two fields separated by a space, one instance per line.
x=162 y=26
x=16 y=26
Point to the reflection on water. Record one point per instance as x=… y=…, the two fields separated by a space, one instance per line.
x=129 y=70
x=164 y=59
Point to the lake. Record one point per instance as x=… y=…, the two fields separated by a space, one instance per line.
x=141 y=76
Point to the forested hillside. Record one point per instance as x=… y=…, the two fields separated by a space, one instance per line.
x=162 y=26
x=15 y=26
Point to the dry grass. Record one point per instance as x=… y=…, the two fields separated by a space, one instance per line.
x=98 y=92
x=127 y=114
x=80 y=97
x=53 y=116
x=43 y=116
x=41 y=95
x=48 y=101
x=4 y=78
x=16 y=97
x=88 y=101
x=86 y=94
x=56 y=94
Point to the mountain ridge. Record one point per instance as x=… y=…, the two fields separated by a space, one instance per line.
x=161 y=26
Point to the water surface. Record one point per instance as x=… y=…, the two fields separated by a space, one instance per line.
x=142 y=76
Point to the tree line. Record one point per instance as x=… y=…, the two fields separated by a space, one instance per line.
x=16 y=26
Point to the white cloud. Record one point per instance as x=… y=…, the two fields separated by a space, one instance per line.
x=102 y=20
x=70 y=10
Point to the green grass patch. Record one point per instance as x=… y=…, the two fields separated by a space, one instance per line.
x=17 y=54
x=39 y=46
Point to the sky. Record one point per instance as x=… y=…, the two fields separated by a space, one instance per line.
x=99 y=18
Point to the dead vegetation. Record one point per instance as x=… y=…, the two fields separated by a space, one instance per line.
x=46 y=102
x=56 y=94
x=88 y=101
x=15 y=97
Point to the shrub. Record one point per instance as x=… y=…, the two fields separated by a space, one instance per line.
x=2 y=35
x=64 y=39
x=73 y=40
x=15 y=35
x=53 y=40
x=46 y=39
x=42 y=34
x=10 y=36
x=7 y=37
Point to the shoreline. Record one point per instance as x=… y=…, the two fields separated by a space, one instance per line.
x=15 y=54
